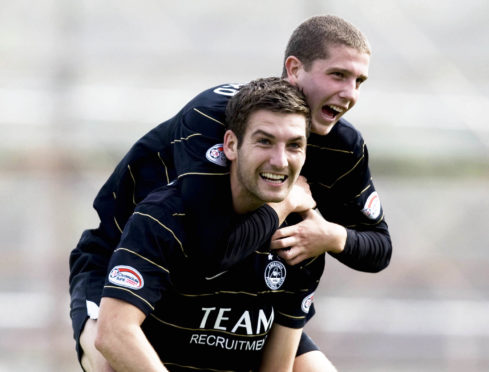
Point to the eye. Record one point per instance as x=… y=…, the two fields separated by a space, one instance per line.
x=338 y=74
x=360 y=81
x=263 y=141
x=295 y=146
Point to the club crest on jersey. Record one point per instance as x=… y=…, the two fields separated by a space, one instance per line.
x=275 y=273
x=126 y=276
x=307 y=302
x=215 y=155
x=371 y=209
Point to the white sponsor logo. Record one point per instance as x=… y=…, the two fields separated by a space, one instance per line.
x=227 y=343
x=307 y=302
x=371 y=209
x=275 y=274
x=126 y=276
x=215 y=155
x=225 y=319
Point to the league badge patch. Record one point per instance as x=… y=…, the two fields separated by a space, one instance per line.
x=371 y=208
x=215 y=155
x=126 y=276
x=275 y=273
x=307 y=302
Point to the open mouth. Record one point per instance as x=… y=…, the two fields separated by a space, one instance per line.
x=332 y=111
x=273 y=177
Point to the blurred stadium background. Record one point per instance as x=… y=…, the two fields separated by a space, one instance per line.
x=80 y=81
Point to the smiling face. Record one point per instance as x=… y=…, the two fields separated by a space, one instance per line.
x=331 y=85
x=268 y=160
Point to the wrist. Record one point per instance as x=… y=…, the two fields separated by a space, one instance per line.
x=340 y=235
x=283 y=209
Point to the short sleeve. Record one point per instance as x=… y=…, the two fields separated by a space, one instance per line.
x=294 y=306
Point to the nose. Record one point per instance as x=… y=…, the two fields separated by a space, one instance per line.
x=350 y=92
x=278 y=157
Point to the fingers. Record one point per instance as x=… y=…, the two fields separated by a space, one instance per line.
x=291 y=256
x=283 y=233
x=283 y=243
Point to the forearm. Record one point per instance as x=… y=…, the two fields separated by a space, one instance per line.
x=280 y=349
x=368 y=251
x=133 y=354
x=121 y=340
x=335 y=237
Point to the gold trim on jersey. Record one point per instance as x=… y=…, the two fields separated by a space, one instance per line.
x=185 y=138
x=330 y=149
x=330 y=186
x=367 y=224
x=117 y=225
x=208 y=117
x=134 y=182
x=203 y=174
x=166 y=169
x=165 y=227
x=365 y=189
x=253 y=294
x=291 y=316
x=131 y=292
x=144 y=258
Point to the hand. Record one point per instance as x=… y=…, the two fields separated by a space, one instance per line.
x=309 y=238
x=298 y=200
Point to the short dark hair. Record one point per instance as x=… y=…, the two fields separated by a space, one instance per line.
x=312 y=39
x=274 y=94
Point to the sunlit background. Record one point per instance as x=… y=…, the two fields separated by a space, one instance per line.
x=80 y=81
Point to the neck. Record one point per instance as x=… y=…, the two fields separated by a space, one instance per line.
x=242 y=201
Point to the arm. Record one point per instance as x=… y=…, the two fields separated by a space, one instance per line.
x=349 y=231
x=121 y=340
x=240 y=236
x=309 y=238
x=280 y=349
x=368 y=251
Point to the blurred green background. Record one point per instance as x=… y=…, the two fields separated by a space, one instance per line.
x=80 y=81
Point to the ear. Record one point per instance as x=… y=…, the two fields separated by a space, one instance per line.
x=293 y=66
x=230 y=145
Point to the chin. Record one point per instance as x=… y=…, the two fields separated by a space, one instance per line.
x=275 y=198
x=322 y=129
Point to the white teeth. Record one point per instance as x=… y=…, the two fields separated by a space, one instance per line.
x=337 y=108
x=273 y=176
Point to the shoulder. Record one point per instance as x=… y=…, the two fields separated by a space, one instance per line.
x=206 y=111
x=346 y=135
x=164 y=209
x=203 y=114
x=343 y=138
x=214 y=97
x=164 y=199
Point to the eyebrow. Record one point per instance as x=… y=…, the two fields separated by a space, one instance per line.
x=266 y=134
x=348 y=72
x=261 y=132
